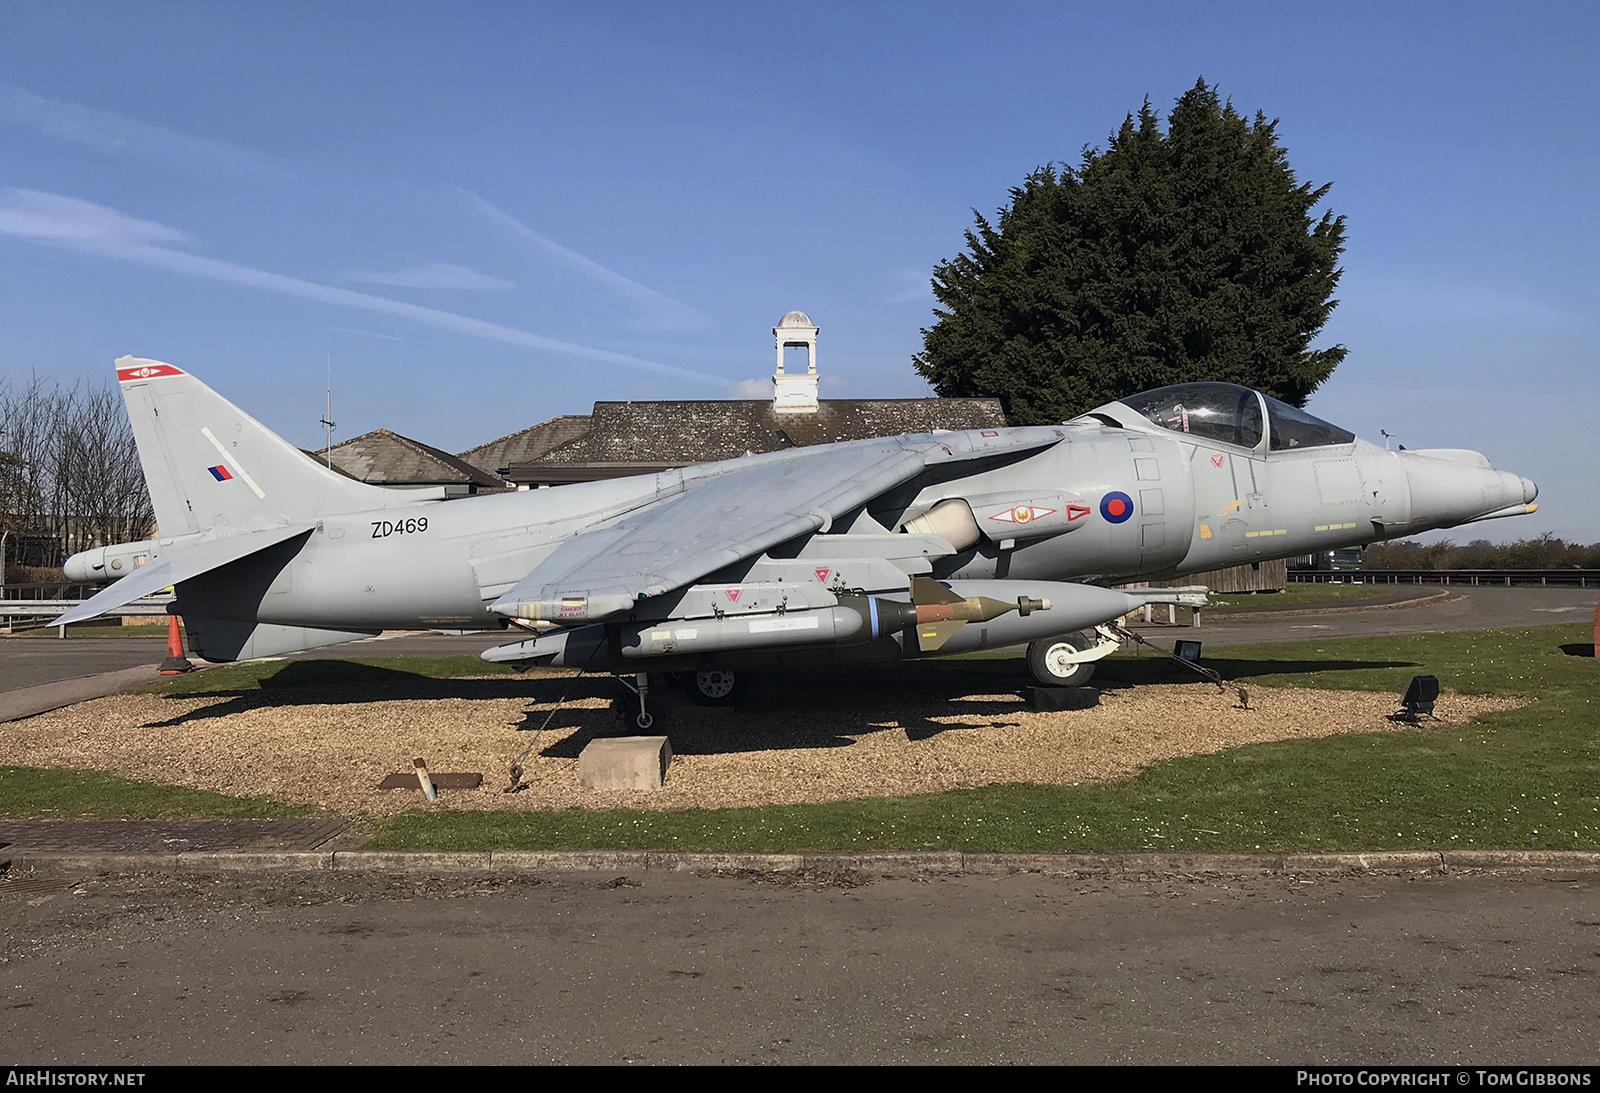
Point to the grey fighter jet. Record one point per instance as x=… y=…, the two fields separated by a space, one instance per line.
x=872 y=550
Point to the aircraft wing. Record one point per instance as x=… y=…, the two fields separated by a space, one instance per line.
x=734 y=514
x=178 y=563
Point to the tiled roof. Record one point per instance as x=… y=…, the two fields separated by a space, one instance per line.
x=671 y=434
x=384 y=458
x=527 y=444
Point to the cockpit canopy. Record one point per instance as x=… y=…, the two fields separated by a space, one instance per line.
x=1231 y=414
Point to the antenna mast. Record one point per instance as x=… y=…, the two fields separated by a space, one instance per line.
x=327 y=416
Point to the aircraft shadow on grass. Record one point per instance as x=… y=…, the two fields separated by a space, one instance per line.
x=782 y=711
x=772 y=723
x=337 y=682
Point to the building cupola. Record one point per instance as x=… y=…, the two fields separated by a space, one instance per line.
x=795 y=392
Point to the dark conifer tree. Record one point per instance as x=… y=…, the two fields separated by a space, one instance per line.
x=1168 y=257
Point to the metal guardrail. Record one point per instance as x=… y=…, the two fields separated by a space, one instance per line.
x=49 y=609
x=1561 y=578
x=37 y=604
x=49 y=590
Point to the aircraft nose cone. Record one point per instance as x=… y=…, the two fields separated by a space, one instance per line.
x=1451 y=487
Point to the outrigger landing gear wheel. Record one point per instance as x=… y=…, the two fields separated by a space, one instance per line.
x=652 y=721
x=1048 y=663
x=640 y=714
x=716 y=687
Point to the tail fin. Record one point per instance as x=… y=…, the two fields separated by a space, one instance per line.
x=210 y=464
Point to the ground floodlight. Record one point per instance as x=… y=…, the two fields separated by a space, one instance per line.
x=1187 y=650
x=1421 y=693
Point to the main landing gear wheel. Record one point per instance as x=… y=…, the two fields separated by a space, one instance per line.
x=716 y=687
x=652 y=721
x=1049 y=667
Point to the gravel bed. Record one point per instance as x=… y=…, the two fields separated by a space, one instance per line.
x=329 y=746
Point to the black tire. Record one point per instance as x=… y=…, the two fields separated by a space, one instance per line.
x=626 y=710
x=1048 y=671
x=714 y=687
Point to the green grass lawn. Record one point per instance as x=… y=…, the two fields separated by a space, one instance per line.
x=35 y=791
x=1526 y=778
x=1330 y=594
x=1521 y=779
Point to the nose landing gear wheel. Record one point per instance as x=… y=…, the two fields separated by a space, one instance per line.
x=1049 y=667
x=716 y=687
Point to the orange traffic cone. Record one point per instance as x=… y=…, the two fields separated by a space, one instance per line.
x=176 y=663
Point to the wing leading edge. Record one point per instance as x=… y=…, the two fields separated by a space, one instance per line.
x=735 y=513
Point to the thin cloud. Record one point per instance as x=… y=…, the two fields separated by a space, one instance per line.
x=54 y=218
x=115 y=134
x=660 y=312
x=435 y=275
x=82 y=225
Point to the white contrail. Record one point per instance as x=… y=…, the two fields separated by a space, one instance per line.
x=662 y=312
x=83 y=225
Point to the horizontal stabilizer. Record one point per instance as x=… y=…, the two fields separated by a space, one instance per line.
x=180 y=563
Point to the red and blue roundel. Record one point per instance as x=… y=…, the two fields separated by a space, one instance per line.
x=1116 y=506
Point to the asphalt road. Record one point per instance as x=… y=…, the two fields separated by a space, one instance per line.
x=675 y=968
x=1469 y=609
x=25 y=662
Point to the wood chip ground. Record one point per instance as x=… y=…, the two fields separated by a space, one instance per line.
x=821 y=740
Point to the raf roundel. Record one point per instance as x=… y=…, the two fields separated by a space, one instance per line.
x=1116 y=506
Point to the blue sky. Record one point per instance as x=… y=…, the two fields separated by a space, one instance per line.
x=488 y=214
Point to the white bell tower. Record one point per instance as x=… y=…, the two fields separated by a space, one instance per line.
x=795 y=392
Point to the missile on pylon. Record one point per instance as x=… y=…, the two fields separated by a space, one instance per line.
x=940 y=612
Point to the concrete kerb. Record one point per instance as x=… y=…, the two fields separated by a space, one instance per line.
x=1383 y=861
x=1575 y=860
x=1232 y=865
x=413 y=861
x=881 y=864
x=254 y=861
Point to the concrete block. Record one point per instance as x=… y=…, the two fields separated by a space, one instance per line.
x=1063 y=698
x=625 y=762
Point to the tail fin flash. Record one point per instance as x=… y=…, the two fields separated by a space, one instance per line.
x=210 y=464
